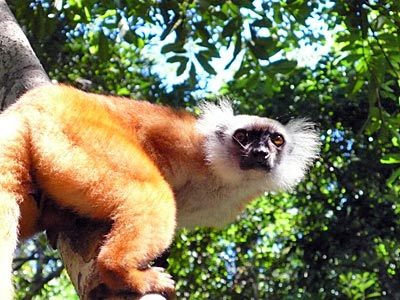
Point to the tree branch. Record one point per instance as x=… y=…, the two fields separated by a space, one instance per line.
x=20 y=68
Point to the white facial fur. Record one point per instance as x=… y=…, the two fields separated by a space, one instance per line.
x=218 y=123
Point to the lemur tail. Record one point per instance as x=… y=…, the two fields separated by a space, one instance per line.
x=14 y=177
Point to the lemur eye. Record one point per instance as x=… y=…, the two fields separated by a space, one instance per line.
x=277 y=140
x=241 y=136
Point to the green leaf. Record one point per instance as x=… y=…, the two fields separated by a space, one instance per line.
x=357 y=85
x=182 y=60
x=264 y=22
x=202 y=58
x=177 y=58
x=393 y=158
x=192 y=75
x=244 y=3
x=202 y=31
x=263 y=47
x=236 y=51
x=182 y=67
x=173 y=47
x=130 y=37
x=231 y=27
x=282 y=66
x=395 y=175
x=104 y=46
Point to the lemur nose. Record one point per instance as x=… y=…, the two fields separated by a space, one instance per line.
x=260 y=154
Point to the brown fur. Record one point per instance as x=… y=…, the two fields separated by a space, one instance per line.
x=141 y=166
x=99 y=156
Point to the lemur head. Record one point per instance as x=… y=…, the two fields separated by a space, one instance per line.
x=245 y=147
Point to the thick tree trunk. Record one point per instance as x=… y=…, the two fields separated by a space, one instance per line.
x=20 y=69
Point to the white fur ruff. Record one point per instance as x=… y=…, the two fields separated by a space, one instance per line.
x=301 y=149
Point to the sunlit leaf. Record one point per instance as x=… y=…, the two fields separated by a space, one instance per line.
x=393 y=158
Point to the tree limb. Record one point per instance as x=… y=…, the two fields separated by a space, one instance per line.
x=20 y=68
